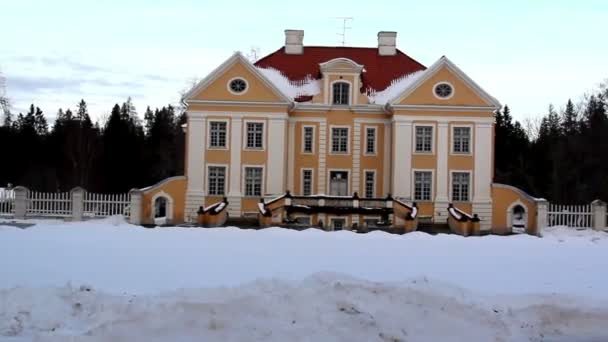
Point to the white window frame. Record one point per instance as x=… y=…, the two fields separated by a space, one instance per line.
x=312 y=180
x=232 y=91
x=331 y=92
x=433 y=137
x=470 y=189
x=226 y=178
x=444 y=98
x=303 y=151
x=227 y=146
x=348 y=181
x=453 y=127
x=432 y=171
x=365 y=171
x=331 y=140
x=264 y=134
x=244 y=180
x=375 y=152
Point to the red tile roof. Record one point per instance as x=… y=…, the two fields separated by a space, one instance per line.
x=379 y=70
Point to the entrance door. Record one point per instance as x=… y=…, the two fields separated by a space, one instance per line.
x=338 y=224
x=338 y=183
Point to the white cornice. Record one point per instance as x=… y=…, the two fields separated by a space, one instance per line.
x=239 y=103
x=237 y=114
x=436 y=108
x=330 y=65
x=447 y=119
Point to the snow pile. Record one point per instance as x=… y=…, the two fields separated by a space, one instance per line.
x=108 y=280
x=322 y=307
x=291 y=89
x=396 y=88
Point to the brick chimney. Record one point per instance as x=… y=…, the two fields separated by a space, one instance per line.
x=387 y=43
x=294 y=40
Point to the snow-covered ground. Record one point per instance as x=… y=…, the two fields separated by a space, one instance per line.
x=109 y=281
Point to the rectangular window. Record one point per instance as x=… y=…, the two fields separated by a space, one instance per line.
x=370 y=140
x=369 y=184
x=339 y=140
x=308 y=139
x=424 y=138
x=217 y=134
x=306 y=182
x=217 y=180
x=460 y=186
x=340 y=90
x=255 y=135
x=253 y=181
x=422 y=185
x=462 y=140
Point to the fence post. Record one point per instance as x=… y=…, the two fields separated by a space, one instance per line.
x=20 y=202
x=598 y=208
x=135 y=209
x=77 y=195
x=542 y=213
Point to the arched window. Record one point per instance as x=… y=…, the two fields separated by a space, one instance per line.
x=160 y=207
x=341 y=91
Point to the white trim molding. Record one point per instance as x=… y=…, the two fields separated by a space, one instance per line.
x=227 y=141
x=169 y=205
x=331 y=140
x=413 y=185
x=234 y=79
x=331 y=94
x=469 y=190
x=433 y=137
x=375 y=152
x=374 y=186
x=226 y=178
x=447 y=97
x=243 y=180
x=348 y=181
x=314 y=135
x=312 y=180
x=245 y=136
x=471 y=127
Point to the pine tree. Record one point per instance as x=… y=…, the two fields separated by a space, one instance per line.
x=40 y=124
x=149 y=119
x=569 y=122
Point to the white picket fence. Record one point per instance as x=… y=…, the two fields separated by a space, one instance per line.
x=49 y=204
x=575 y=216
x=22 y=203
x=7 y=202
x=103 y=205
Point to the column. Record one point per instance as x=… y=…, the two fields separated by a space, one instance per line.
x=234 y=169
x=195 y=194
x=356 y=151
x=291 y=152
x=20 y=202
x=321 y=176
x=442 y=150
x=542 y=215
x=482 y=174
x=388 y=152
x=402 y=158
x=598 y=208
x=135 y=216
x=275 y=165
x=77 y=195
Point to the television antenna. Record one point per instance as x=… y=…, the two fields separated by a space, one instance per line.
x=345 y=26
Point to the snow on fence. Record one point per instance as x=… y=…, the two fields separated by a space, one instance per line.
x=7 y=202
x=575 y=216
x=103 y=205
x=49 y=204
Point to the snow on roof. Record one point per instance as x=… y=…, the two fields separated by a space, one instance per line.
x=262 y=208
x=396 y=88
x=292 y=89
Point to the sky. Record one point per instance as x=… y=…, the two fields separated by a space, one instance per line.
x=527 y=54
